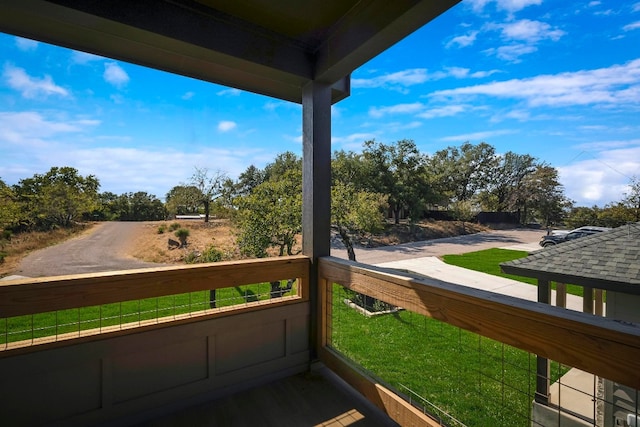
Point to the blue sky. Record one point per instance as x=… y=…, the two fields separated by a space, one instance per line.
x=556 y=79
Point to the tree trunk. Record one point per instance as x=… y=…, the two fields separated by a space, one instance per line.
x=348 y=244
x=206 y=211
x=367 y=301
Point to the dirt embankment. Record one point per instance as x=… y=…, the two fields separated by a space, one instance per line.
x=152 y=241
x=127 y=245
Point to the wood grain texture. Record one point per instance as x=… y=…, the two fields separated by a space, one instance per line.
x=385 y=399
x=30 y=296
x=594 y=344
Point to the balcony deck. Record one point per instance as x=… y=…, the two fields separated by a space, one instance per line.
x=317 y=398
x=248 y=364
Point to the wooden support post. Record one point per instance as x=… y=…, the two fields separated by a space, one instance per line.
x=542 y=364
x=561 y=295
x=316 y=190
x=599 y=302
x=587 y=300
x=326 y=312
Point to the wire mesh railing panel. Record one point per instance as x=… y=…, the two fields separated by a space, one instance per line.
x=461 y=378
x=19 y=331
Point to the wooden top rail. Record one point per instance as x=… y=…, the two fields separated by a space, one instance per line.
x=31 y=296
x=595 y=344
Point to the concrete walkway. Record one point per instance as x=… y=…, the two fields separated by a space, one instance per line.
x=433 y=267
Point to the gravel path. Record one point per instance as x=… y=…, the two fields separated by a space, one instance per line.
x=99 y=250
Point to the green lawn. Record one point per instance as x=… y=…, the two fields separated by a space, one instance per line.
x=488 y=261
x=40 y=325
x=479 y=381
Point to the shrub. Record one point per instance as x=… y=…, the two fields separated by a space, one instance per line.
x=211 y=254
x=182 y=235
x=162 y=229
x=174 y=226
x=192 y=257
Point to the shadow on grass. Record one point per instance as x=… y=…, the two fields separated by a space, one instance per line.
x=247 y=294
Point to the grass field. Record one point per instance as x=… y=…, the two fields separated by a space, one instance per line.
x=488 y=261
x=476 y=380
x=30 y=327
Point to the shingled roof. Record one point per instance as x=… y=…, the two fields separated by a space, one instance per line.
x=608 y=260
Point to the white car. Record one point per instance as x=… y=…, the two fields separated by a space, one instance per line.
x=584 y=228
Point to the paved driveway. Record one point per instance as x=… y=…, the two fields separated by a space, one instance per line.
x=100 y=250
x=449 y=245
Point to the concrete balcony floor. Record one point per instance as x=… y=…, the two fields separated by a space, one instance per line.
x=317 y=398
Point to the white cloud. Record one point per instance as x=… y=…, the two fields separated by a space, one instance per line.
x=635 y=7
x=605 y=12
x=483 y=74
x=446 y=111
x=632 y=26
x=530 y=31
x=616 y=85
x=458 y=72
x=507 y=5
x=31 y=87
x=115 y=75
x=378 y=112
x=511 y=53
x=607 y=145
x=601 y=179
x=26 y=44
x=478 y=5
x=126 y=169
x=477 y=136
x=463 y=41
x=403 y=78
x=522 y=37
x=354 y=138
x=226 y=126
x=36 y=143
x=82 y=58
x=594 y=3
x=461 y=73
x=516 y=5
x=31 y=129
x=272 y=106
x=229 y=92
x=400 y=126
x=519 y=115
x=188 y=95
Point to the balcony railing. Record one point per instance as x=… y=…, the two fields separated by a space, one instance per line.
x=189 y=347
x=92 y=375
x=469 y=356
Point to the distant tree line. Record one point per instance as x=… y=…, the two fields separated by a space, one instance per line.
x=62 y=197
x=612 y=214
x=266 y=204
x=138 y=206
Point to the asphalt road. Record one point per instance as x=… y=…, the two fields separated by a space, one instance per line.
x=448 y=245
x=100 y=250
x=103 y=250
